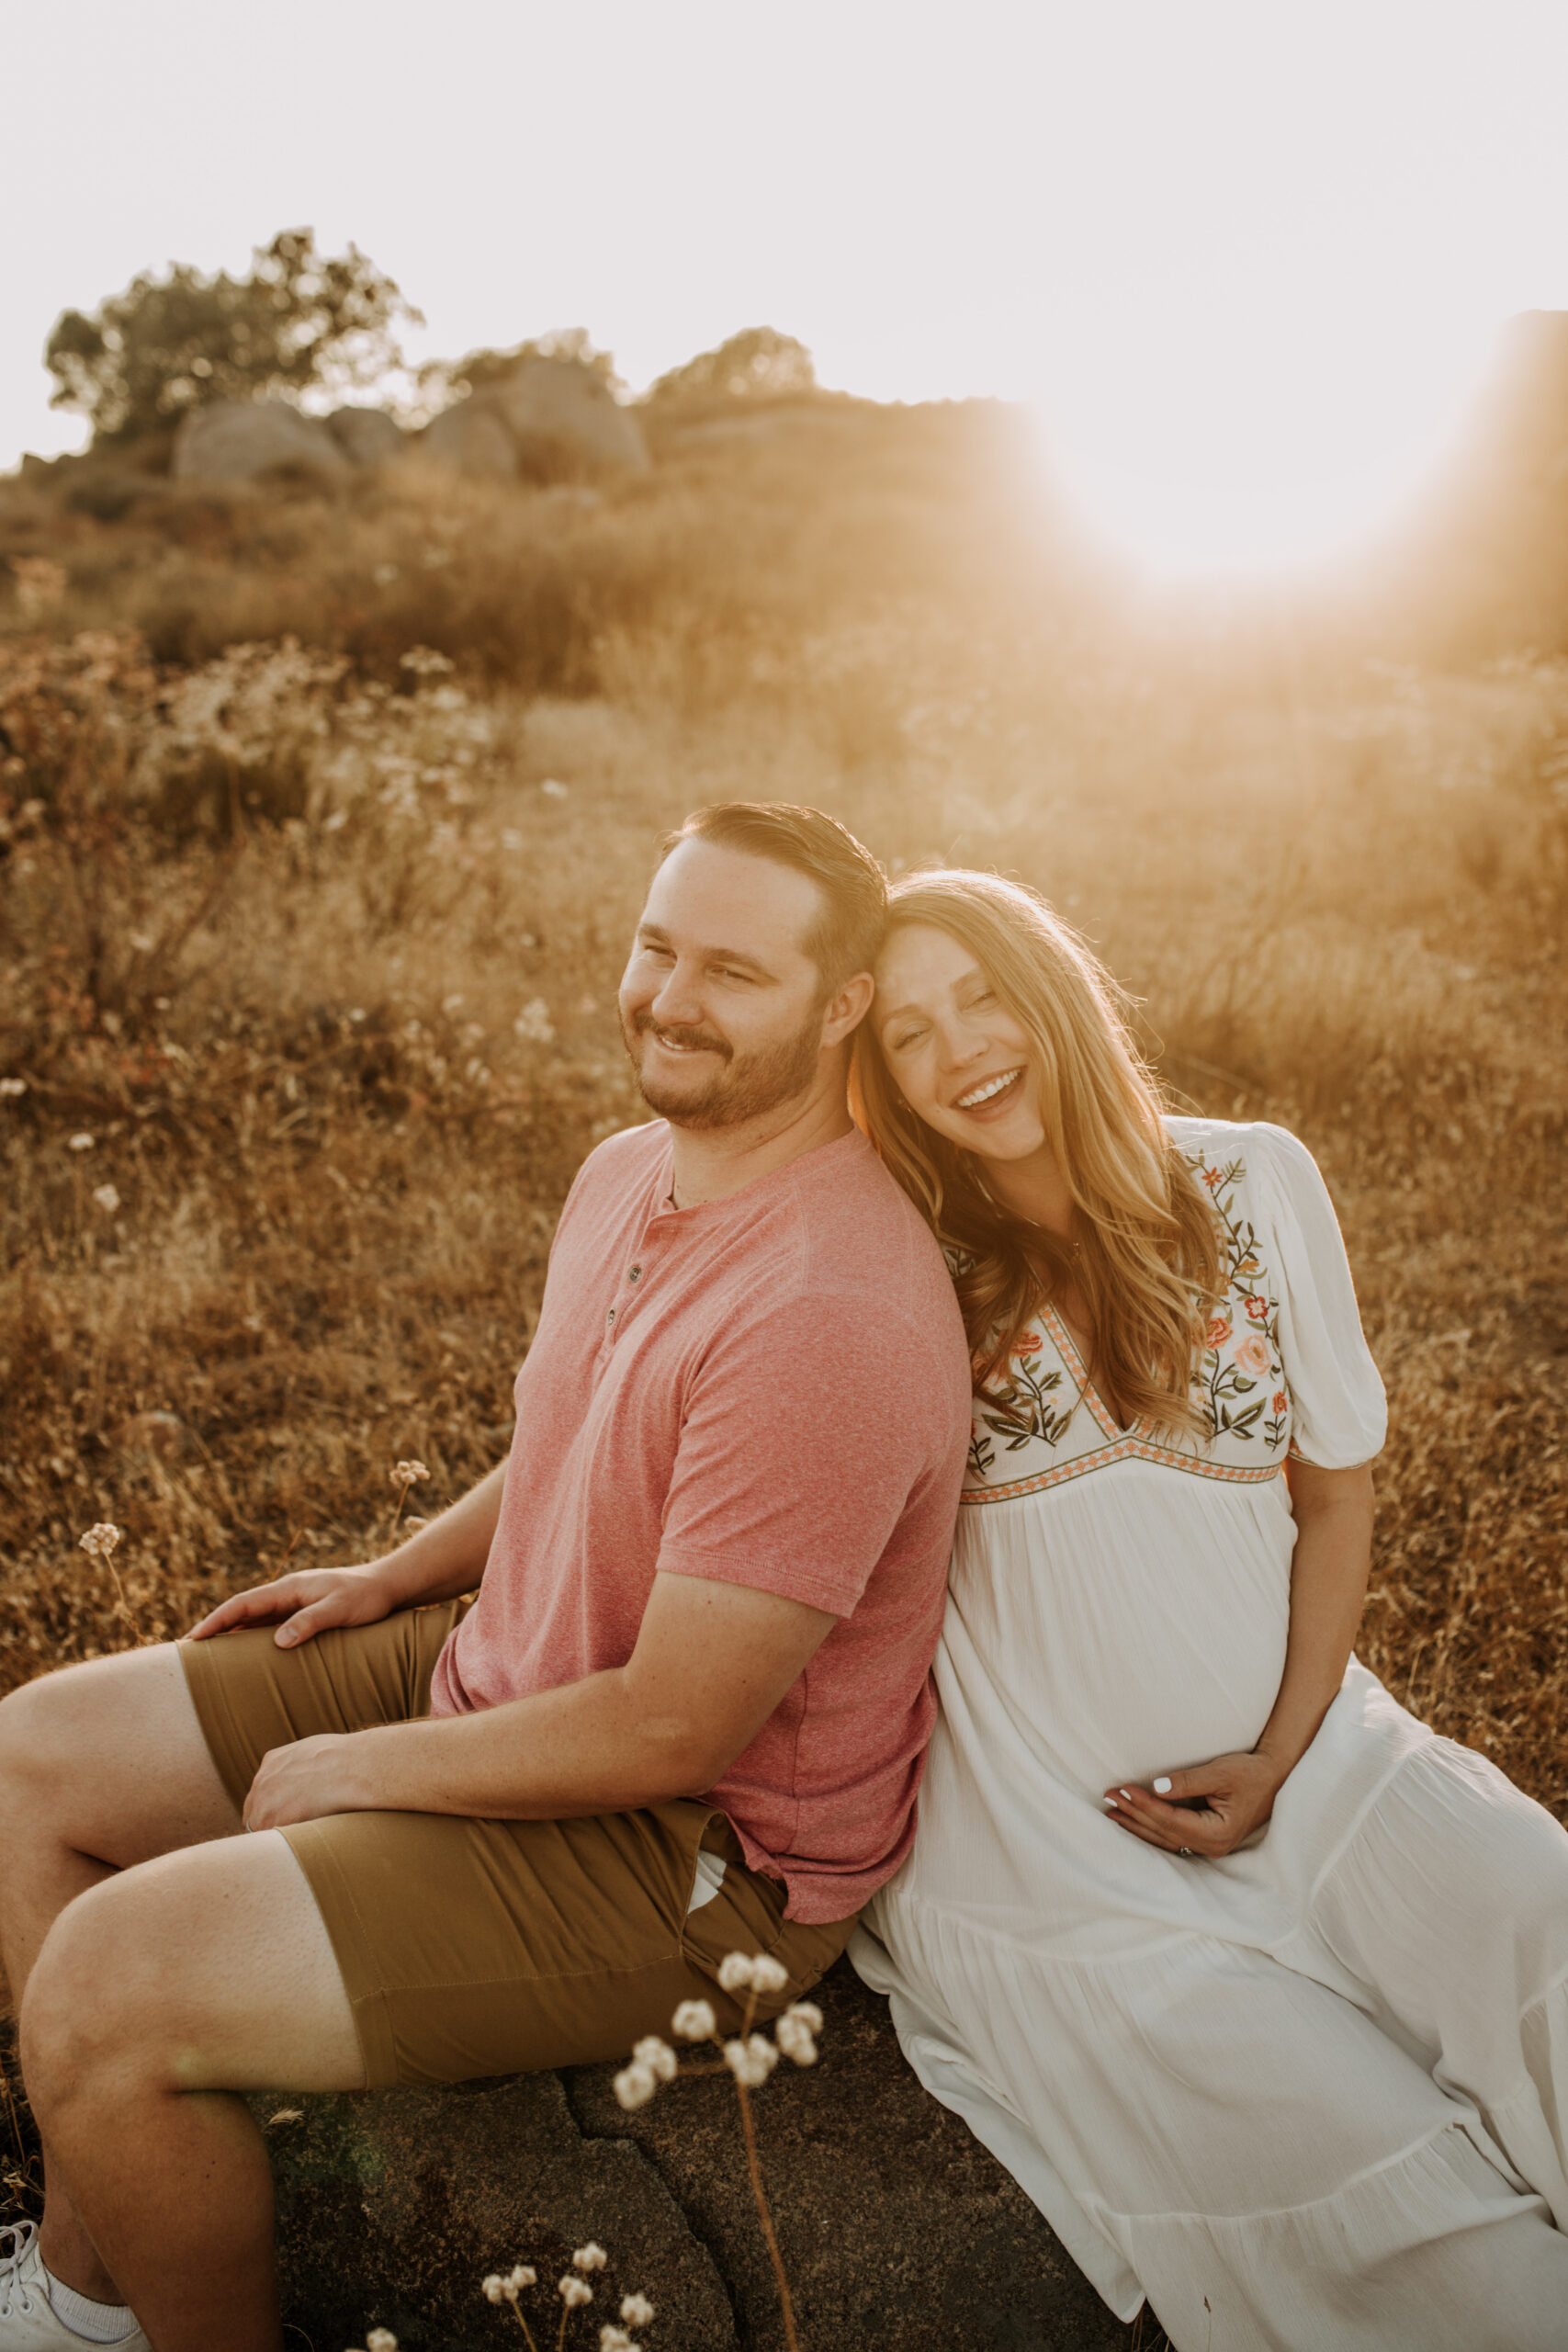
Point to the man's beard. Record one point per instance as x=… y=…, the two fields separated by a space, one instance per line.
x=746 y=1087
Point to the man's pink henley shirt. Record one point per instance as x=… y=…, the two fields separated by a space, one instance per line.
x=769 y=1390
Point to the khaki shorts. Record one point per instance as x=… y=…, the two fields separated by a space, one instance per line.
x=472 y=1948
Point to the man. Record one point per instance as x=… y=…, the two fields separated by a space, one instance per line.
x=686 y=1713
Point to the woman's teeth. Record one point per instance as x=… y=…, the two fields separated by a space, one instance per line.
x=993 y=1086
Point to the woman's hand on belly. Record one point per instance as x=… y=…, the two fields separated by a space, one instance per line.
x=1207 y=1811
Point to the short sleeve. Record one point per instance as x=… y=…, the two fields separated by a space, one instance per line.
x=810 y=1436
x=1339 y=1410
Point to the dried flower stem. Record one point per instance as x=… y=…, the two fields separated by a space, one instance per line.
x=763 y=2215
x=527 y=2331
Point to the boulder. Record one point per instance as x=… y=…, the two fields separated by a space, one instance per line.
x=241 y=440
x=473 y=440
x=565 y=418
x=550 y=419
x=899 y=2232
x=367 y=436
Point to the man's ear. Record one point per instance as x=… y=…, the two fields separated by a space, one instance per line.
x=847 y=1008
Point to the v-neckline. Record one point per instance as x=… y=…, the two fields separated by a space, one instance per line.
x=1061 y=1331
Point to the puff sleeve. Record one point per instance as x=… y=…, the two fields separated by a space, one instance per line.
x=1339 y=1414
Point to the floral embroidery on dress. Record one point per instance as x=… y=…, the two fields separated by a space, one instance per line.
x=1239 y=1384
x=1242 y=1343
x=1021 y=1409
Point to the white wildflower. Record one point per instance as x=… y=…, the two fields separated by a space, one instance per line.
x=100 y=1541
x=409 y=1473
x=795 y=2037
x=13 y=1085
x=694 y=2021
x=615 y=2339
x=735 y=1971
x=636 y=2310
x=634 y=2086
x=106 y=1198
x=286 y=2115
x=767 y=1975
x=553 y=789
x=82 y=1142
x=492 y=2288
x=657 y=2056
x=752 y=2061
x=590 y=2256
x=381 y=2339
x=521 y=2275
x=573 y=2292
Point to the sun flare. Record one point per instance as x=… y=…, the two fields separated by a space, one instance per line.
x=1254 y=455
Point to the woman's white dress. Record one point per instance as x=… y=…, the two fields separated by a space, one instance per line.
x=1314 y=2096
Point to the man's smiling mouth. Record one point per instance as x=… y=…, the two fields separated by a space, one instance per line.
x=680 y=1045
x=989 y=1089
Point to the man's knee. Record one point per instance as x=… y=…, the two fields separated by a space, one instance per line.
x=34 y=1746
x=80 y=2005
x=109 y=1758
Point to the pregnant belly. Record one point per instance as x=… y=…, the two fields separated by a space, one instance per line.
x=1112 y=1652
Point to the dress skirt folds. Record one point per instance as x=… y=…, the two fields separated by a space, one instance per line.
x=1310 y=2098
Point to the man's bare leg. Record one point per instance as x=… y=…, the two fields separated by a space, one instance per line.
x=156 y=1994
x=101 y=1767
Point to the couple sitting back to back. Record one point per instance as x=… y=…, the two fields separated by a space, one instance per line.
x=1258 y=1987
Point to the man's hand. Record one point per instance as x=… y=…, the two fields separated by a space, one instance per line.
x=1208 y=1810
x=308 y=1779
x=306 y=1603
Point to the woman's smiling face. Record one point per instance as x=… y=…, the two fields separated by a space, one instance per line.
x=961 y=1059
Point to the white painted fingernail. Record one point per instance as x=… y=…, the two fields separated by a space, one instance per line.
x=1112 y=1803
x=1128 y=1795
x=1162 y=1786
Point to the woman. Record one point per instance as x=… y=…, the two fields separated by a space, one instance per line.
x=1257 y=1986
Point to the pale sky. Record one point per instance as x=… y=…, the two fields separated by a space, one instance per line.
x=1247 y=257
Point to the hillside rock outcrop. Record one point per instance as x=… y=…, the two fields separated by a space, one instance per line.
x=242 y=440
x=367 y=436
x=550 y=420
x=473 y=440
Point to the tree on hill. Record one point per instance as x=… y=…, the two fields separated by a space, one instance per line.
x=169 y=343
x=757 y=364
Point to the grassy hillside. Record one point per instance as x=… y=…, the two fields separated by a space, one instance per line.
x=318 y=946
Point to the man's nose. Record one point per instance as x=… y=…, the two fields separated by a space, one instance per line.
x=678 y=1003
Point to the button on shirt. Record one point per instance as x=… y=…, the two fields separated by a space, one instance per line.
x=770 y=1390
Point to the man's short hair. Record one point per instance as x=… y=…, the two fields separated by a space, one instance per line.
x=846 y=936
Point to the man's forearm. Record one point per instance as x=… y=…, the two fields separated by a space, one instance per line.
x=446 y=1558
x=584 y=1748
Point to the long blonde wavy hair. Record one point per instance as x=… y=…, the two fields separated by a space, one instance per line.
x=1148 y=1265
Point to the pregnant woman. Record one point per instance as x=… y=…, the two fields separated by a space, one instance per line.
x=1257 y=1986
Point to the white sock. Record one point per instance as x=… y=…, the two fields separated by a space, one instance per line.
x=93 y=2322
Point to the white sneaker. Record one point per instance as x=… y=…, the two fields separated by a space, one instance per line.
x=28 y=2322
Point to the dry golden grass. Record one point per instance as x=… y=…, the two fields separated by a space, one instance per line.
x=327 y=972
x=269 y=932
